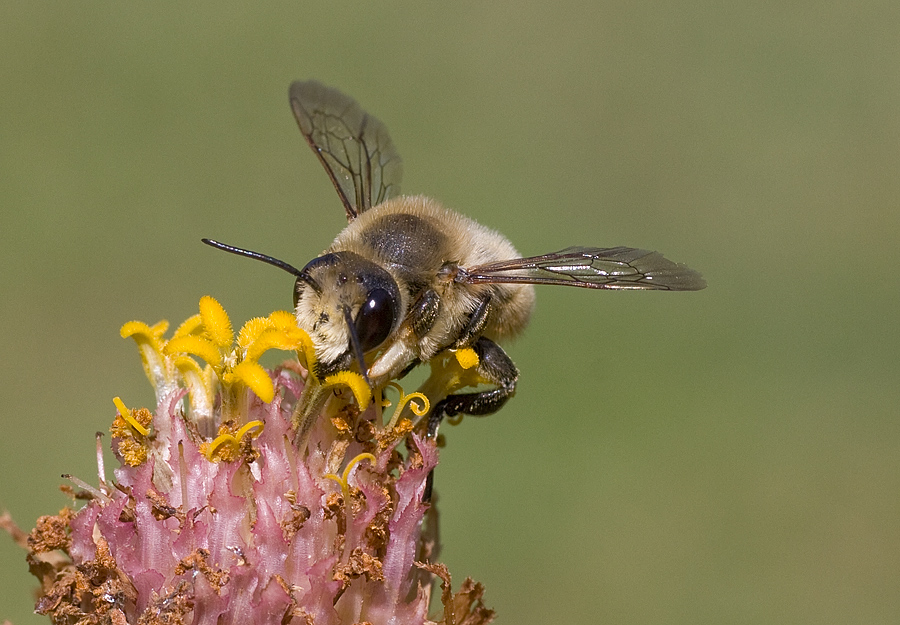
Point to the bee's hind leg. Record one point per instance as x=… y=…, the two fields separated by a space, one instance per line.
x=494 y=367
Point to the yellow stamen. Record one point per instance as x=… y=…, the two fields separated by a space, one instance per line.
x=200 y=385
x=355 y=383
x=150 y=346
x=255 y=377
x=286 y=322
x=343 y=478
x=154 y=333
x=234 y=440
x=196 y=345
x=252 y=329
x=126 y=414
x=283 y=320
x=420 y=410
x=159 y=328
x=270 y=338
x=259 y=426
x=191 y=325
x=216 y=322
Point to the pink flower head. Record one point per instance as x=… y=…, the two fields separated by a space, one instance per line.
x=220 y=512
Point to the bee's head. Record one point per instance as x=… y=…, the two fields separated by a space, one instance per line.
x=348 y=305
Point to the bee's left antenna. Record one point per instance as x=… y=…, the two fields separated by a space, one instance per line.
x=266 y=259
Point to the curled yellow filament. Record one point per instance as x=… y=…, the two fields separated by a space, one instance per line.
x=345 y=476
x=126 y=414
x=419 y=409
x=234 y=440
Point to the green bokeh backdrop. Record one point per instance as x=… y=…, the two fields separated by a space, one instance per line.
x=729 y=456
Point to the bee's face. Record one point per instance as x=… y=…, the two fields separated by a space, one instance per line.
x=344 y=293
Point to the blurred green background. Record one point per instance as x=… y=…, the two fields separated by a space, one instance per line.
x=728 y=456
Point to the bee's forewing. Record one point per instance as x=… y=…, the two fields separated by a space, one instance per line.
x=591 y=268
x=354 y=147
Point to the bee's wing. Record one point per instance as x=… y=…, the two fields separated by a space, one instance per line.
x=591 y=268
x=354 y=147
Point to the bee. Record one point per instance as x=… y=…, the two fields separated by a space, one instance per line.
x=409 y=279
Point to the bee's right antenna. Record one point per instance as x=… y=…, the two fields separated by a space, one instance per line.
x=266 y=259
x=301 y=274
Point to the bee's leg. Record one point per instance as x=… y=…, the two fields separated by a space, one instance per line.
x=475 y=325
x=494 y=367
x=423 y=313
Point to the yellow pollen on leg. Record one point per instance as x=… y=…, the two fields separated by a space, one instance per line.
x=466 y=357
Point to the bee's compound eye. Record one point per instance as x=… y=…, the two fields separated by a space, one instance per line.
x=375 y=319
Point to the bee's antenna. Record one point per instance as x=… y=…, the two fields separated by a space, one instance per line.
x=356 y=345
x=266 y=259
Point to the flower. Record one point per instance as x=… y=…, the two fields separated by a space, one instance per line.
x=232 y=505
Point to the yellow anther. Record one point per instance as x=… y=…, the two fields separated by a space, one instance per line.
x=140 y=329
x=251 y=330
x=233 y=440
x=222 y=439
x=277 y=331
x=191 y=325
x=196 y=345
x=187 y=366
x=345 y=476
x=259 y=426
x=126 y=414
x=270 y=338
x=255 y=377
x=307 y=351
x=466 y=357
x=159 y=328
x=283 y=320
x=216 y=322
x=355 y=382
x=150 y=346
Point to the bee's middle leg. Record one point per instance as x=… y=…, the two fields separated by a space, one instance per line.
x=494 y=367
